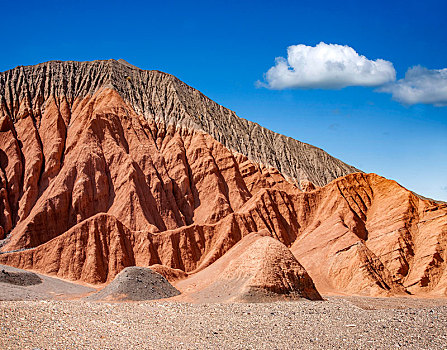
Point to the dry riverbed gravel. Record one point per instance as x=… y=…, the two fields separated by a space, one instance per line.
x=338 y=323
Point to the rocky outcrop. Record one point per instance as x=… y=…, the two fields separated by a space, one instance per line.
x=368 y=235
x=148 y=178
x=346 y=235
x=105 y=166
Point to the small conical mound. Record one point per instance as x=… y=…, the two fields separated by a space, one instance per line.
x=136 y=283
x=258 y=268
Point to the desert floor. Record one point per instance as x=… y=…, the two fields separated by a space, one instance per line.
x=54 y=314
x=337 y=323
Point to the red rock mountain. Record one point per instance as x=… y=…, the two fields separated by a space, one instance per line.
x=105 y=166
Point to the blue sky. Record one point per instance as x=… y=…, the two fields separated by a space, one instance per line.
x=223 y=48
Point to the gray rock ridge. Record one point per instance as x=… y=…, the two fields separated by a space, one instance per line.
x=168 y=101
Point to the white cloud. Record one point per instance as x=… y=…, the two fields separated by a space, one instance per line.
x=326 y=66
x=420 y=85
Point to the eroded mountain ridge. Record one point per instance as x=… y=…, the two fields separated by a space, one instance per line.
x=105 y=166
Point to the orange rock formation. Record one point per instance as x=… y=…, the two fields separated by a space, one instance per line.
x=257 y=268
x=93 y=182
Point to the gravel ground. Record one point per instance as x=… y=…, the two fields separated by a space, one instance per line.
x=334 y=324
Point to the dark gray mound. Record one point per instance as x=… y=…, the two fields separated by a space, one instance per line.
x=136 y=283
x=19 y=278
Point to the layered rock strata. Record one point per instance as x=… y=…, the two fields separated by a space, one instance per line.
x=105 y=166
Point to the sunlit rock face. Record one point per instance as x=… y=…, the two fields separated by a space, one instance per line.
x=105 y=166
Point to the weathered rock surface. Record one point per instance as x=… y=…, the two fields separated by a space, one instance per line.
x=158 y=96
x=104 y=166
x=369 y=235
x=257 y=268
x=352 y=236
x=148 y=176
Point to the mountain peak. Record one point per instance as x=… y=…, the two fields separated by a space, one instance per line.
x=127 y=64
x=164 y=98
x=104 y=166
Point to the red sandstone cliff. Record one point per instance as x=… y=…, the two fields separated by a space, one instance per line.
x=105 y=166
